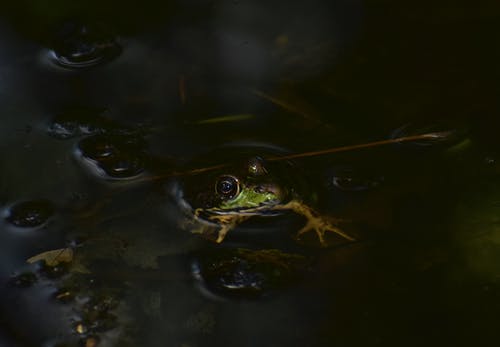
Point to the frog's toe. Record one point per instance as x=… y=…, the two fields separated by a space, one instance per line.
x=320 y=227
x=222 y=233
x=336 y=230
x=310 y=227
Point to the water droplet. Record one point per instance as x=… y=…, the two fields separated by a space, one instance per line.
x=82 y=46
x=30 y=214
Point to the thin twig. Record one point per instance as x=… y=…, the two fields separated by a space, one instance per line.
x=428 y=136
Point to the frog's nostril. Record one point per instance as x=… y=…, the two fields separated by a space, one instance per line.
x=260 y=189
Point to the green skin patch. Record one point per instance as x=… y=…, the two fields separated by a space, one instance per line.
x=249 y=198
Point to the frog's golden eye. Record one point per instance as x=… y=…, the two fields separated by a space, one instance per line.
x=227 y=186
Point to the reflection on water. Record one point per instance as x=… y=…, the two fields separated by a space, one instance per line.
x=78 y=46
x=114 y=115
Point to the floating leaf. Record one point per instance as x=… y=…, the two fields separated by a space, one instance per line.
x=54 y=257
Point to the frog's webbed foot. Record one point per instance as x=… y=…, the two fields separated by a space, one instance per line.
x=315 y=222
x=321 y=226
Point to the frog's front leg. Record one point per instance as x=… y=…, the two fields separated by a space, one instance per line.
x=315 y=221
x=226 y=222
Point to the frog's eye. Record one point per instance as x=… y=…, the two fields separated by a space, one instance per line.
x=227 y=186
x=256 y=166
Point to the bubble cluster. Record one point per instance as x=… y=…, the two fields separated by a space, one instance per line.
x=113 y=156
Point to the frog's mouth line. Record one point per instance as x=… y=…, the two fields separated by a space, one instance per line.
x=264 y=208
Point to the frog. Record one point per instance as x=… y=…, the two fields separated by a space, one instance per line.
x=249 y=188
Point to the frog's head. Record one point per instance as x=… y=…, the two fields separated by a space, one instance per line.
x=256 y=188
x=237 y=188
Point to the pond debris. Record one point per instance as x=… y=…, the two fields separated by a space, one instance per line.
x=226 y=119
x=54 y=257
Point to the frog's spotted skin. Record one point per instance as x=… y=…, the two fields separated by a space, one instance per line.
x=254 y=191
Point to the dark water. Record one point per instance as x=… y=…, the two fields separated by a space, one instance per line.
x=101 y=103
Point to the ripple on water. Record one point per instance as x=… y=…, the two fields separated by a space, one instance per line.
x=30 y=214
x=78 y=46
